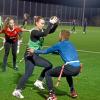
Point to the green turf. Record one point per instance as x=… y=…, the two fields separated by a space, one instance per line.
x=87 y=83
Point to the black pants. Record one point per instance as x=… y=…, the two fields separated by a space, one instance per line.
x=73 y=29
x=30 y=63
x=68 y=72
x=7 y=47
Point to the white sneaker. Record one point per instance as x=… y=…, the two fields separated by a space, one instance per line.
x=17 y=93
x=84 y=32
x=39 y=84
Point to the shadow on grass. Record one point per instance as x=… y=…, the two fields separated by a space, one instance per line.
x=0 y=65
x=17 y=78
x=44 y=93
x=8 y=65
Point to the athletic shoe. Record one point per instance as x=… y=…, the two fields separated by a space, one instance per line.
x=51 y=96
x=84 y=32
x=17 y=93
x=39 y=84
x=15 y=67
x=73 y=94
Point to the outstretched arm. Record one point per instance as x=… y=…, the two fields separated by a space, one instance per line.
x=46 y=51
x=25 y=30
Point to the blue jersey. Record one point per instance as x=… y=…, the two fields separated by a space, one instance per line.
x=66 y=50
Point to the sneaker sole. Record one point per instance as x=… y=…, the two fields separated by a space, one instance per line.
x=17 y=96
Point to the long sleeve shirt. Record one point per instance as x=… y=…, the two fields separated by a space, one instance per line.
x=36 y=37
x=66 y=50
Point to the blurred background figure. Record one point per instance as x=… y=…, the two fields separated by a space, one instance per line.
x=25 y=19
x=73 y=26
x=84 y=26
x=24 y=24
x=1 y=23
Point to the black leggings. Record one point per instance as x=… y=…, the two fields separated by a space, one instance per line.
x=30 y=63
x=68 y=72
x=7 y=47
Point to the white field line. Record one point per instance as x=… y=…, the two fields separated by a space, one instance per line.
x=89 y=51
x=3 y=41
x=1 y=48
x=86 y=51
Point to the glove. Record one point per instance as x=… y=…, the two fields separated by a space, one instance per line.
x=53 y=20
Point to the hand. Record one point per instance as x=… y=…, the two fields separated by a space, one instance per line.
x=30 y=31
x=30 y=51
x=53 y=20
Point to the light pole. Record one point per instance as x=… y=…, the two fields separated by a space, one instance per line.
x=84 y=5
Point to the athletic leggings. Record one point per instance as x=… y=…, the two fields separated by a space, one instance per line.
x=7 y=47
x=30 y=63
x=68 y=72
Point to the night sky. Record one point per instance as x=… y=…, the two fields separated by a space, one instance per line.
x=72 y=9
x=74 y=3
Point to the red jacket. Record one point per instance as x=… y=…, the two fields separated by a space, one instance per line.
x=11 y=34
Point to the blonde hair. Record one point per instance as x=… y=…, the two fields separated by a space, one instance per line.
x=6 y=22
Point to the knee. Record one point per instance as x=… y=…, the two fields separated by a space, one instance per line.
x=47 y=73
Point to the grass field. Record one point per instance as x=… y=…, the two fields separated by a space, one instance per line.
x=87 y=83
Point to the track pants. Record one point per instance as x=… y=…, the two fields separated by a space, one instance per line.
x=68 y=72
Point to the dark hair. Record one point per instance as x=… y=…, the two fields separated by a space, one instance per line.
x=37 y=18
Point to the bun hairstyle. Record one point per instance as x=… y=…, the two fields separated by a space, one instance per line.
x=37 y=18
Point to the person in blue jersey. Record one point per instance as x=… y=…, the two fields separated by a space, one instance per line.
x=69 y=55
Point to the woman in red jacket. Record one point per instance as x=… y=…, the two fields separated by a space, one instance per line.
x=11 y=32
